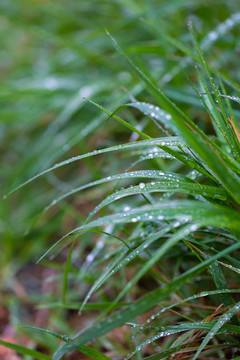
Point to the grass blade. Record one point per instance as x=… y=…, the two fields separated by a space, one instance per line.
x=25 y=351
x=219 y=324
x=139 y=306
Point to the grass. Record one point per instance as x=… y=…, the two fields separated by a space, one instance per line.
x=121 y=179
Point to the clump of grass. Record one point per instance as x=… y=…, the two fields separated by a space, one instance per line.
x=161 y=252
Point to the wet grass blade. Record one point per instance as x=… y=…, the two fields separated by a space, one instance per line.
x=168 y=244
x=180 y=350
x=222 y=121
x=171 y=141
x=172 y=185
x=25 y=351
x=133 y=254
x=186 y=129
x=221 y=283
x=190 y=298
x=139 y=306
x=219 y=324
x=208 y=214
x=84 y=349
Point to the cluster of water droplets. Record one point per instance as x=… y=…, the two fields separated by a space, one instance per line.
x=232 y=97
x=166 y=141
x=149 y=341
x=172 y=181
x=152 y=154
x=225 y=317
x=196 y=296
x=168 y=180
x=156 y=113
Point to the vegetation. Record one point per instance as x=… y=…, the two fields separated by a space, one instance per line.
x=120 y=152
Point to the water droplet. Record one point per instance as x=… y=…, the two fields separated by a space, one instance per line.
x=212 y=35
x=85 y=91
x=193 y=227
x=100 y=244
x=90 y=258
x=142 y=185
x=66 y=147
x=167 y=78
x=51 y=83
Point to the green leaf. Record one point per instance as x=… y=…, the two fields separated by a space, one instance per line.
x=170 y=330
x=139 y=306
x=171 y=141
x=181 y=210
x=185 y=128
x=84 y=349
x=221 y=283
x=112 y=270
x=172 y=185
x=25 y=351
x=219 y=324
x=222 y=121
x=193 y=297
